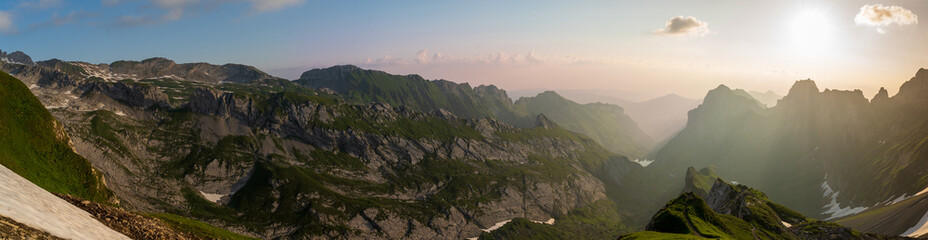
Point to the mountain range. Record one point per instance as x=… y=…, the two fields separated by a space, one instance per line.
x=325 y=164
x=197 y=150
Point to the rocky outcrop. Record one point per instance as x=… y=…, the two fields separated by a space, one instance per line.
x=913 y=91
x=10 y=229
x=131 y=95
x=543 y=122
x=36 y=75
x=881 y=97
x=699 y=182
x=133 y=225
x=242 y=151
x=16 y=57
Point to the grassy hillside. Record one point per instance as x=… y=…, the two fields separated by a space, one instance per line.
x=34 y=145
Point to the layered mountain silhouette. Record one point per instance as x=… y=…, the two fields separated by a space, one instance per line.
x=271 y=158
x=345 y=152
x=827 y=154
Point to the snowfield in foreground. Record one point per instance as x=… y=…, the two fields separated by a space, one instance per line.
x=31 y=205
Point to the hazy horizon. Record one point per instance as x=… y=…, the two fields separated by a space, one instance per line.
x=677 y=47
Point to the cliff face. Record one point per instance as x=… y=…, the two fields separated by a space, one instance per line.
x=605 y=123
x=272 y=159
x=812 y=143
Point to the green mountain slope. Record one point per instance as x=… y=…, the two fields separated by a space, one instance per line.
x=605 y=123
x=34 y=145
x=738 y=212
x=272 y=159
x=365 y=86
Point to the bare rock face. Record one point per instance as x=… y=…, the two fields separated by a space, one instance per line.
x=543 y=122
x=16 y=57
x=304 y=166
x=881 y=97
x=130 y=95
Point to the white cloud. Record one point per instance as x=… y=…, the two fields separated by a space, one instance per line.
x=681 y=25
x=272 y=5
x=879 y=15
x=6 y=23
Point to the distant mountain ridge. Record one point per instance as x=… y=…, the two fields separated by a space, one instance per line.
x=607 y=124
x=825 y=153
x=273 y=159
x=660 y=118
x=157 y=68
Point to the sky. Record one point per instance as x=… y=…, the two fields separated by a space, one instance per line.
x=641 y=49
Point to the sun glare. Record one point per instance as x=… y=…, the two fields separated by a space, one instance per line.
x=810 y=32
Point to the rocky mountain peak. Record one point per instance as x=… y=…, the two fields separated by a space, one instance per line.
x=492 y=91
x=16 y=57
x=158 y=60
x=544 y=122
x=330 y=73
x=881 y=96
x=803 y=88
x=802 y=92
x=915 y=88
x=723 y=97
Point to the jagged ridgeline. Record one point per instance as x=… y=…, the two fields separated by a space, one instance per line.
x=605 y=123
x=856 y=152
x=35 y=146
x=269 y=158
x=734 y=211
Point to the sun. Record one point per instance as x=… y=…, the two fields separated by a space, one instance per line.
x=810 y=31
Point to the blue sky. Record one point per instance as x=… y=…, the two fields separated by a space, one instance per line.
x=624 y=45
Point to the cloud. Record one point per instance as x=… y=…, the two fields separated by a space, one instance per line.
x=272 y=5
x=879 y=15
x=6 y=23
x=40 y=4
x=175 y=8
x=157 y=11
x=426 y=57
x=58 y=20
x=681 y=25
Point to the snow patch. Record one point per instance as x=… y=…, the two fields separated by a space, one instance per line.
x=786 y=224
x=920 y=228
x=497 y=226
x=549 y=222
x=31 y=205
x=503 y=223
x=643 y=162
x=10 y=61
x=120 y=113
x=212 y=197
x=834 y=208
x=921 y=192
